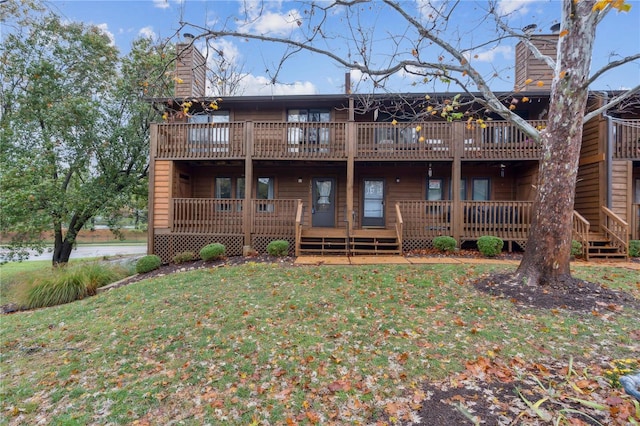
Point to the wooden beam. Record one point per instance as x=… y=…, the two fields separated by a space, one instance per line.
x=596 y=158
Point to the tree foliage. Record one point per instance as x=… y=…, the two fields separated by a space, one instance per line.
x=74 y=129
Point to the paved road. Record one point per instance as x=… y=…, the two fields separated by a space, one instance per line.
x=97 y=250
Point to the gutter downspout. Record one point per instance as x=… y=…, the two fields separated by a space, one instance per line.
x=609 y=153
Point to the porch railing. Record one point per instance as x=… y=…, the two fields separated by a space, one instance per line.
x=299 y=210
x=424 y=219
x=580 y=233
x=500 y=140
x=299 y=140
x=404 y=140
x=509 y=220
x=616 y=230
x=274 y=217
x=626 y=136
x=207 y=216
x=201 y=140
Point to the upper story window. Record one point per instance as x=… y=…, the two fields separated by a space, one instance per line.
x=308 y=135
x=205 y=134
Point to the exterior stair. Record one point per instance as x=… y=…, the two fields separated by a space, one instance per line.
x=329 y=241
x=600 y=247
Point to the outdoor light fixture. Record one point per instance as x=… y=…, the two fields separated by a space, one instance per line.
x=430 y=171
x=397 y=180
x=299 y=180
x=502 y=167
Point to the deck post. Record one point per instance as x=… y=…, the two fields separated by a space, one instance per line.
x=351 y=149
x=456 y=176
x=247 y=212
x=153 y=150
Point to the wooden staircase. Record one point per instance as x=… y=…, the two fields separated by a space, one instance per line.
x=329 y=241
x=601 y=247
x=611 y=242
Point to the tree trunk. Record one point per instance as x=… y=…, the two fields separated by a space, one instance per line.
x=548 y=249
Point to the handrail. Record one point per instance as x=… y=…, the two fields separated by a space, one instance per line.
x=616 y=230
x=298 y=226
x=581 y=232
x=399 y=226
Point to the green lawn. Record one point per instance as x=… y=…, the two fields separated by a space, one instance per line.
x=263 y=344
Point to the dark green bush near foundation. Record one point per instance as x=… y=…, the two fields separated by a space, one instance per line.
x=490 y=246
x=634 y=248
x=148 y=263
x=213 y=251
x=445 y=243
x=278 y=248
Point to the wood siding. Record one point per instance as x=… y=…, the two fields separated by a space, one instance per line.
x=621 y=185
x=162 y=194
x=190 y=72
x=590 y=193
x=528 y=67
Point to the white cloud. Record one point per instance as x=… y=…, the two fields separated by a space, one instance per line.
x=274 y=23
x=517 y=7
x=105 y=30
x=491 y=54
x=161 y=4
x=147 y=32
x=253 y=85
x=226 y=47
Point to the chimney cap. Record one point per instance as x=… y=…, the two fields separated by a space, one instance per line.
x=188 y=36
x=529 y=28
x=555 y=28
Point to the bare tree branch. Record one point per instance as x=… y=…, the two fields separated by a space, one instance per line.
x=610 y=66
x=611 y=103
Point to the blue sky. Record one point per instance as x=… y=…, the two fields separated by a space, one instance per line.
x=619 y=34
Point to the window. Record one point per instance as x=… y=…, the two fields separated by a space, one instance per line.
x=224 y=189
x=265 y=191
x=311 y=137
x=480 y=189
x=434 y=189
x=210 y=135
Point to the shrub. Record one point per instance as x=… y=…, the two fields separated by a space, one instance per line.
x=490 y=246
x=56 y=289
x=634 y=248
x=278 y=248
x=148 y=263
x=185 y=256
x=445 y=243
x=213 y=251
x=96 y=275
x=576 y=248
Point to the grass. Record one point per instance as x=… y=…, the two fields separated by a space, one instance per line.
x=258 y=344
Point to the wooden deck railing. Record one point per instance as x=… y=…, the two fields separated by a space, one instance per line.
x=274 y=217
x=635 y=221
x=509 y=220
x=299 y=210
x=207 y=216
x=427 y=140
x=299 y=140
x=201 y=140
x=580 y=233
x=626 y=135
x=616 y=230
x=425 y=219
x=500 y=140
x=329 y=141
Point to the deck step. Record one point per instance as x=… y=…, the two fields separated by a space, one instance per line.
x=359 y=242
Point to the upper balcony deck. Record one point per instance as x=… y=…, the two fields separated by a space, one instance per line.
x=626 y=139
x=337 y=141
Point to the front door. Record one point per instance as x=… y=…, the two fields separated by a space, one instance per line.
x=373 y=203
x=323 y=208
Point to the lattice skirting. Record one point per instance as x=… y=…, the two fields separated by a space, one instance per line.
x=416 y=244
x=260 y=242
x=168 y=245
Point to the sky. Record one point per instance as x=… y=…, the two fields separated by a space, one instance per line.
x=305 y=73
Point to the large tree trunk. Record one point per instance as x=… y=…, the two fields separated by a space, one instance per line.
x=546 y=259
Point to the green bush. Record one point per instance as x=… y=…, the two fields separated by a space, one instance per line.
x=490 y=246
x=95 y=275
x=634 y=248
x=444 y=243
x=278 y=248
x=148 y=263
x=213 y=251
x=185 y=256
x=576 y=248
x=57 y=289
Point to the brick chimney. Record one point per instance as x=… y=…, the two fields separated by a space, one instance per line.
x=528 y=67
x=190 y=70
